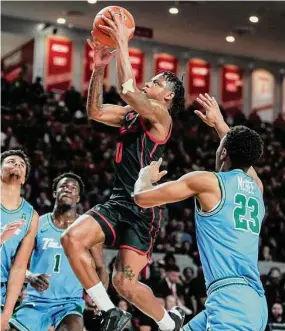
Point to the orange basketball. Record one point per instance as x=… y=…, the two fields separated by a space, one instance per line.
x=103 y=37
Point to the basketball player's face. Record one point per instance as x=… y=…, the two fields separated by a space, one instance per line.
x=157 y=88
x=67 y=192
x=14 y=167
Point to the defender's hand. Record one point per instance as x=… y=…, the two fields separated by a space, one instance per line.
x=117 y=29
x=101 y=54
x=153 y=172
x=39 y=281
x=213 y=116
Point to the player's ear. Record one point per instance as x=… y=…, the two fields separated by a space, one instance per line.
x=54 y=194
x=223 y=154
x=169 y=96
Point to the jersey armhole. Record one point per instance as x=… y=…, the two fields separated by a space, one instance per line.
x=30 y=220
x=219 y=206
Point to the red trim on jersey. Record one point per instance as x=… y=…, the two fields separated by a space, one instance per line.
x=153 y=150
x=159 y=142
x=133 y=249
x=142 y=150
x=159 y=221
x=119 y=152
x=108 y=223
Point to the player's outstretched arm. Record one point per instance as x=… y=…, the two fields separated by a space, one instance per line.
x=214 y=118
x=108 y=114
x=18 y=271
x=146 y=195
x=149 y=109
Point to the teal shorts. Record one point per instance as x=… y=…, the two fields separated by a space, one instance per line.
x=39 y=316
x=231 y=305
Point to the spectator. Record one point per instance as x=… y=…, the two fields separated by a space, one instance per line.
x=172 y=284
x=277 y=315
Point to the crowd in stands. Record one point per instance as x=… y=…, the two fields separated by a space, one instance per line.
x=57 y=136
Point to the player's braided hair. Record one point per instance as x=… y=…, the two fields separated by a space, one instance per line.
x=178 y=102
x=21 y=154
x=69 y=175
x=244 y=146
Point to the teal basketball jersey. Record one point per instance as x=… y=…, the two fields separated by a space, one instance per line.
x=49 y=258
x=228 y=235
x=9 y=249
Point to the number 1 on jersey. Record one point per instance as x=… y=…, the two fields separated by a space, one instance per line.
x=57 y=260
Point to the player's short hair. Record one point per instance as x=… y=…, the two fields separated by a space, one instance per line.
x=244 y=146
x=178 y=102
x=21 y=154
x=72 y=176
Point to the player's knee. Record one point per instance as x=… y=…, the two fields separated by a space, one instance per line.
x=123 y=285
x=70 y=238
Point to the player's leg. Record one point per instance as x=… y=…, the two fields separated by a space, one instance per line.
x=84 y=233
x=95 y=227
x=88 y=230
x=125 y=279
x=71 y=323
x=31 y=316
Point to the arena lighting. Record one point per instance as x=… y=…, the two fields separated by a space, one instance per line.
x=173 y=10
x=92 y=1
x=230 y=39
x=254 y=19
x=61 y=20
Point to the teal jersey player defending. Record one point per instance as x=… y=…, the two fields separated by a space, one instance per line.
x=229 y=213
x=54 y=294
x=19 y=223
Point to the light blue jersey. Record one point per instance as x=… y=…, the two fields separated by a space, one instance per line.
x=228 y=236
x=227 y=240
x=49 y=258
x=9 y=249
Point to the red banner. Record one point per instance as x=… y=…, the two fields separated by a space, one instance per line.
x=20 y=60
x=199 y=75
x=165 y=62
x=88 y=68
x=59 y=52
x=232 y=87
x=137 y=62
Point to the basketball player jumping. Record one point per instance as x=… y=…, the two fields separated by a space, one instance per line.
x=15 y=251
x=53 y=287
x=229 y=213
x=145 y=127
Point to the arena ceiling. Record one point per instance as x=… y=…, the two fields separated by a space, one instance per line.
x=199 y=24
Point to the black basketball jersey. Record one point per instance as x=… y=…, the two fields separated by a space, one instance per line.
x=136 y=148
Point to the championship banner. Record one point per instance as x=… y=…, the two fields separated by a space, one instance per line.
x=165 y=62
x=232 y=87
x=88 y=68
x=19 y=61
x=137 y=62
x=198 y=78
x=263 y=94
x=58 y=75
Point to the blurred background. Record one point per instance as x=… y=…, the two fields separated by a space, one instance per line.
x=234 y=51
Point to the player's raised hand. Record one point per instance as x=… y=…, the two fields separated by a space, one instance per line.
x=102 y=55
x=153 y=171
x=10 y=230
x=212 y=115
x=39 y=281
x=116 y=29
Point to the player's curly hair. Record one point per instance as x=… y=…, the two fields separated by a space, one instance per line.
x=244 y=146
x=178 y=102
x=21 y=154
x=72 y=176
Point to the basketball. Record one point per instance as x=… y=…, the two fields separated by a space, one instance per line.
x=103 y=37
